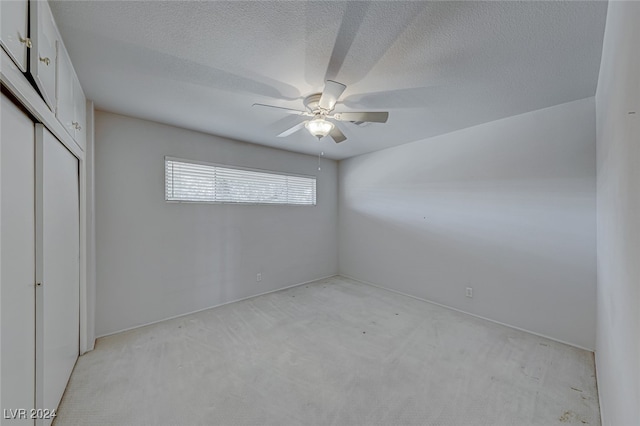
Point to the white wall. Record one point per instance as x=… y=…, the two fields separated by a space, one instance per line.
x=156 y=259
x=618 y=147
x=506 y=207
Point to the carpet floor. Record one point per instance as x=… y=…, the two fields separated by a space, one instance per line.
x=333 y=352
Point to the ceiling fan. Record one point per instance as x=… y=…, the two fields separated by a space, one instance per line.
x=320 y=109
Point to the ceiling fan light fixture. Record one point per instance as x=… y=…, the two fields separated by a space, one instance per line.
x=320 y=106
x=319 y=127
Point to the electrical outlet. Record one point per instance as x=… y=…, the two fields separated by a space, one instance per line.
x=469 y=292
x=259 y=277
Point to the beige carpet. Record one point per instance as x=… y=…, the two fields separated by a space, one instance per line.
x=335 y=352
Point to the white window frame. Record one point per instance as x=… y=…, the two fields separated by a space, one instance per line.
x=234 y=167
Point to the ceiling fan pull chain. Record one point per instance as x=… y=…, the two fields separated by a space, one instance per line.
x=319 y=155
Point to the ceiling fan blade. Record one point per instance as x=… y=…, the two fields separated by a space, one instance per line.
x=282 y=109
x=337 y=135
x=330 y=94
x=292 y=130
x=373 y=117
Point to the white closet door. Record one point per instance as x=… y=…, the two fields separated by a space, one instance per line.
x=64 y=91
x=58 y=266
x=14 y=24
x=17 y=263
x=42 y=67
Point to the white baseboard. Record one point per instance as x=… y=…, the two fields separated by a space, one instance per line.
x=602 y=415
x=362 y=282
x=214 y=306
x=464 y=312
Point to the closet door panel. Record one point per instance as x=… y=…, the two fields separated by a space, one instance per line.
x=58 y=299
x=17 y=261
x=80 y=108
x=13 y=27
x=64 y=91
x=44 y=35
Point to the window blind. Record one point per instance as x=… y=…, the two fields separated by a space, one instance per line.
x=212 y=183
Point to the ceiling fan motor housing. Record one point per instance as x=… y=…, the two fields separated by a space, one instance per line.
x=312 y=102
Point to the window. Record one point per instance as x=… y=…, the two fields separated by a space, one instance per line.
x=211 y=183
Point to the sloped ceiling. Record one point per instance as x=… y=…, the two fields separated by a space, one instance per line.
x=435 y=66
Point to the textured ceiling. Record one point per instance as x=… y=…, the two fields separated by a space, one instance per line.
x=435 y=66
